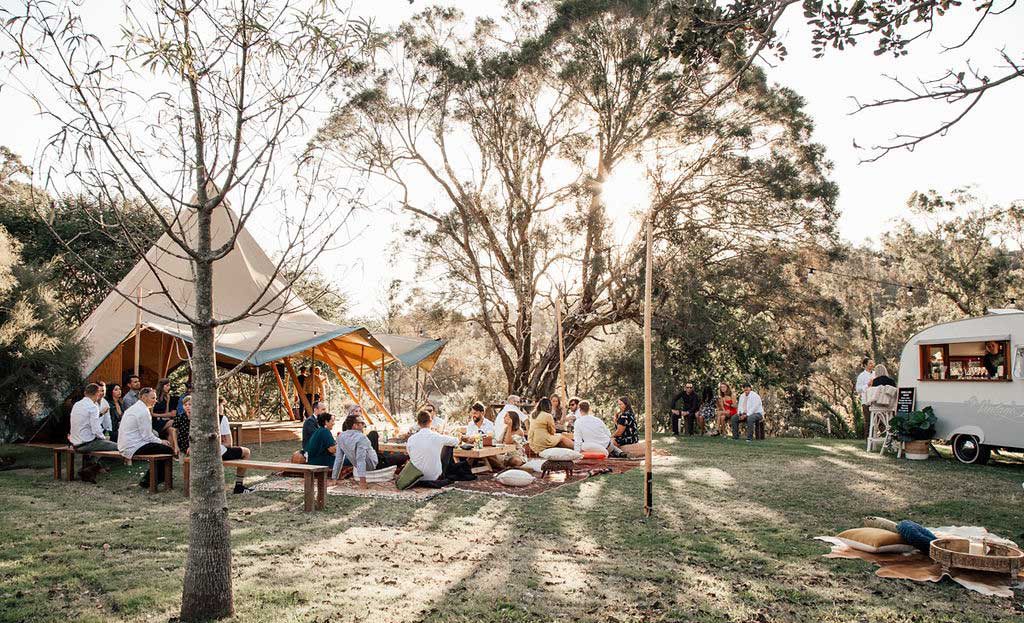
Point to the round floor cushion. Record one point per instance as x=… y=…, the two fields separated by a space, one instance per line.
x=515 y=478
x=561 y=454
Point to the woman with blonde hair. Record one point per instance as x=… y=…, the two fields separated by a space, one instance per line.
x=542 y=434
x=726 y=407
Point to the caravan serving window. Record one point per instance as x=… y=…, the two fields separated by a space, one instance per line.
x=986 y=360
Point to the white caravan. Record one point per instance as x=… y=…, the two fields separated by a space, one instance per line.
x=971 y=372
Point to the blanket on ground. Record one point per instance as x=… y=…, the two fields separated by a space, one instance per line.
x=920 y=568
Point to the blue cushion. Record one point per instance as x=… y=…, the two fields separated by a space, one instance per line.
x=915 y=534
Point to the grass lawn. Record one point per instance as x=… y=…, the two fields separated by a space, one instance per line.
x=730 y=541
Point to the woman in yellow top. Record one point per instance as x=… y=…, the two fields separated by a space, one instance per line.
x=542 y=433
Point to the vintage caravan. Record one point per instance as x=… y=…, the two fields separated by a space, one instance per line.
x=971 y=372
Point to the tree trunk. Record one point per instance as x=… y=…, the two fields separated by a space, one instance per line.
x=206 y=592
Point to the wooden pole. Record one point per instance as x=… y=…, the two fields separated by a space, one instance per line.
x=259 y=418
x=286 y=403
x=138 y=326
x=295 y=379
x=366 y=388
x=648 y=389
x=348 y=388
x=561 y=353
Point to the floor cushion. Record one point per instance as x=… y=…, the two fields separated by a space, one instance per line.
x=561 y=454
x=409 y=476
x=533 y=465
x=593 y=448
x=515 y=478
x=916 y=535
x=874 y=540
x=595 y=456
x=381 y=475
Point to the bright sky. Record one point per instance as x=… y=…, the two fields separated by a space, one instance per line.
x=983 y=150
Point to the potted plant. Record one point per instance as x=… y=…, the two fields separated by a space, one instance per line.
x=915 y=430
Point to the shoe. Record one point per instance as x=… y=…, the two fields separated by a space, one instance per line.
x=144 y=483
x=242 y=489
x=748 y=441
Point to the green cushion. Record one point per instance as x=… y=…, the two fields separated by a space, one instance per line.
x=410 y=475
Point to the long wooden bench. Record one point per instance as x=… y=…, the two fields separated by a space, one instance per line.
x=310 y=474
x=155 y=462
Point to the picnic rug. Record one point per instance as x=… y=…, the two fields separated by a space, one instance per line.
x=920 y=568
x=382 y=491
x=486 y=483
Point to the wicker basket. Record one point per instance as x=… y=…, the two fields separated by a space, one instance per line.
x=916 y=450
x=955 y=554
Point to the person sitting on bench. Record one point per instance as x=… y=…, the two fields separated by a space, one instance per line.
x=232 y=453
x=86 y=431
x=309 y=426
x=135 y=434
x=590 y=429
x=361 y=450
x=322 y=447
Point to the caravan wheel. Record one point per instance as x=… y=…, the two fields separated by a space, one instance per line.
x=968 y=449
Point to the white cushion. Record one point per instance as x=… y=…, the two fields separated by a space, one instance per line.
x=561 y=454
x=899 y=548
x=594 y=447
x=533 y=465
x=515 y=478
x=381 y=475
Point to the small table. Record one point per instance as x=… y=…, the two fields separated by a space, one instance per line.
x=476 y=454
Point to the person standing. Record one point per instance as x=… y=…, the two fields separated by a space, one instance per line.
x=116 y=409
x=134 y=385
x=750 y=410
x=686 y=405
x=303 y=380
x=319 y=385
x=135 y=435
x=861 y=388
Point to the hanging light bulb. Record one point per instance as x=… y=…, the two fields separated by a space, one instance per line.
x=910 y=290
x=810 y=271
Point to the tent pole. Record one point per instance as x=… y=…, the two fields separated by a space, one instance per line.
x=300 y=389
x=366 y=388
x=348 y=388
x=138 y=326
x=648 y=390
x=285 y=403
x=561 y=351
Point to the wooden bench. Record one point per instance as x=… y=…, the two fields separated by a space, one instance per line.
x=310 y=473
x=155 y=462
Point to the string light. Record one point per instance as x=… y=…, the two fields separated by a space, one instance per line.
x=910 y=288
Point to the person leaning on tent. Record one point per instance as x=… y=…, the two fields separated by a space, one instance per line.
x=86 y=431
x=135 y=435
x=360 y=450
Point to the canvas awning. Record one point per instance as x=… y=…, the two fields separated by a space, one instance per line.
x=412 y=351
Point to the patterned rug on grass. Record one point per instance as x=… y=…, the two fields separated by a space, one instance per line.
x=486 y=483
x=381 y=491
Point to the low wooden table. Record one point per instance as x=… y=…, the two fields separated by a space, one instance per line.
x=476 y=454
x=310 y=474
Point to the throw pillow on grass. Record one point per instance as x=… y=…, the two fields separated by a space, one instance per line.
x=533 y=465
x=515 y=478
x=917 y=535
x=874 y=541
x=561 y=454
x=410 y=475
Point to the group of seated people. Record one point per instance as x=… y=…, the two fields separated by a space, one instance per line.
x=430 y=446
x=143 y=428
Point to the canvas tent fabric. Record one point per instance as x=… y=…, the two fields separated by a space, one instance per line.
x=280 y=324
x=413 y=351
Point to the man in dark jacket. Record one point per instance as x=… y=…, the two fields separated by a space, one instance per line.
x=686 y=405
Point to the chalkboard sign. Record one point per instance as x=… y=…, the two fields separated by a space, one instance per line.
x=905 y=400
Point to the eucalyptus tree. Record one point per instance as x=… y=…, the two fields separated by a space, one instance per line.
x=501 y=139
x=194 y=102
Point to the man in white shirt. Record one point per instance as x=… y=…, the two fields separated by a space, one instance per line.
x=590 y=429
x=135 y=434
x=511 y=404
x=749 y=410
x=105 y=421
x=426 y=448
x=86 y=432
x=478 y=424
